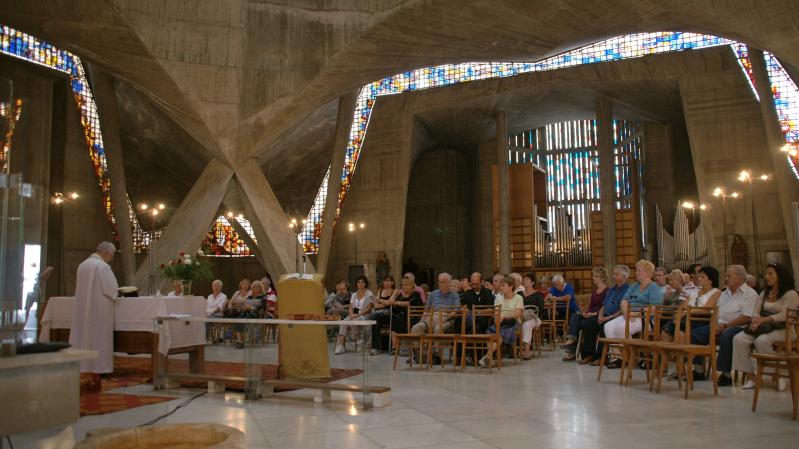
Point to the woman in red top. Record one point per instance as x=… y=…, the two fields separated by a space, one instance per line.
x=600 y=278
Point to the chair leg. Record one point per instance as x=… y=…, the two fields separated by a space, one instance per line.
x=794 y=373
x=664 y=357
x=714 y=374
x=602 y=362
x=625 y=354
x=690 y=376
x=758 y=381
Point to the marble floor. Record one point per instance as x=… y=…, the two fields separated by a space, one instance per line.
x=540 y=403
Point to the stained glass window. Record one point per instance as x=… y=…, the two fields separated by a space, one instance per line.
x=24 y=46
x=223 y=240
x=785 y=92
x=624 y=47
x=11 y=114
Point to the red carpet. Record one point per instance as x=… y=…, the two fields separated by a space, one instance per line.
x=129 y=371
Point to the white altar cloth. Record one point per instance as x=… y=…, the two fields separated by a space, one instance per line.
x=138 y=314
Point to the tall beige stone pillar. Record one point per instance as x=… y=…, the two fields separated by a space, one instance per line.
x=786 y=183
x=346 y=107
x=105 y=97
x=504 y=192
x=607 y=178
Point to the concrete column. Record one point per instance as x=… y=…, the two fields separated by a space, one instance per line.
x=346 y=108
x=504 y=192
x=256 y=251
x=189 y=224
x=269 y=222
x=105 y=98
x=607 y=178
x=786 y=183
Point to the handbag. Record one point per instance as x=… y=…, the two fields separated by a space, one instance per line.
x=765 y=328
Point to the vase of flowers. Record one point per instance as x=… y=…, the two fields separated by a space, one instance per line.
x=186 y=269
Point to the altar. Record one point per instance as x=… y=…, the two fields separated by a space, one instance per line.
x=134 y=327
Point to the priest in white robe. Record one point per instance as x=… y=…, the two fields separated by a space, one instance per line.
x=93 y=316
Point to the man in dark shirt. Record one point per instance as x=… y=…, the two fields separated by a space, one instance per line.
x=477 y=295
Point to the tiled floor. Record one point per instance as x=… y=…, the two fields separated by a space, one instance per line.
x=540 y=403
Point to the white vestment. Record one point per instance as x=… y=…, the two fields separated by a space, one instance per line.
x=93 y=316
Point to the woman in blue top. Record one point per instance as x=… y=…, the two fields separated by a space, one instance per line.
x=641 y=293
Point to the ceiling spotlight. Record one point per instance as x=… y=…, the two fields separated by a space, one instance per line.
x=734 y=194
x=161 y=206
x=230 y=214
x=143 y=206
x=74 y=195
x=718 y=191
x=744 y=176
x=688 y=205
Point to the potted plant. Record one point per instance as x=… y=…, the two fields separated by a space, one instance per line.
x=187 y=269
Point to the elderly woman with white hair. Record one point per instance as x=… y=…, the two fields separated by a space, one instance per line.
x=215 y=303
x=643 y=292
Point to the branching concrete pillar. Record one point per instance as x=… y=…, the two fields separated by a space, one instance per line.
x=607 y=179
x=504 y=192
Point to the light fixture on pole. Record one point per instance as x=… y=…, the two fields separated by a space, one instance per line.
x=354 y=230
x=747 y=177
x=720 y=192
x=297 y=228
x=153 y=212
x=60 y=198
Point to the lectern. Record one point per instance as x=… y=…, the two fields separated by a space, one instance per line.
x=303 y=351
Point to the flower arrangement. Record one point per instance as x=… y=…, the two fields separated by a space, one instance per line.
x=186 y=268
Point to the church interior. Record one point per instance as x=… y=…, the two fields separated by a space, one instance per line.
x=399 y=223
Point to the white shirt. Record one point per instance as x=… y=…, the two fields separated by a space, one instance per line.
x=174 y=294
x=700 y=301
x=360 y=303
x=733 y=305
x=691 y=290
x=214 y=302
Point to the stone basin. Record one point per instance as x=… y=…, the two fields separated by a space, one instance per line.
x=169 y=436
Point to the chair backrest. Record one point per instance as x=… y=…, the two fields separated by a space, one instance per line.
x=698 y=316
x=638 y=313
x=492 y=313
x=415 y=313
x=447 y=313
x=792 y=331
x=583 y=300
x=562 y=301
x=662 y=314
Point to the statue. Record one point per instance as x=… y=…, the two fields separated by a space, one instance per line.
x=383 y=268
x=739 y=252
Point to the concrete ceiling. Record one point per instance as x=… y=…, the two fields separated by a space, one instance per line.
x=244 y=78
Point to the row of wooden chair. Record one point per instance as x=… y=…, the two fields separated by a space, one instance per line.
x=647 y=346
x=426 y=343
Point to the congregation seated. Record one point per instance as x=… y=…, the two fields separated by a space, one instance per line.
x=215 y=303
x=531 y=296
x=402 y=298
x=381 y=311
x=271 y=295
x=768 y=321
x=417 y=288
x=338 y=302
x=177 y=289
x=360 y=307
x=736 y=309
x=660 y=279
x=477 y=295
x=640 y=294
x=243 y=292
x=675 y=294
x=544 y=284
x=511 y=307
x=437 y=299
x=599 y=276
x=560 y=288
x=593 y=327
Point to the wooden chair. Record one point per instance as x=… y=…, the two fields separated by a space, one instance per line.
x=548 y=322
x=415 y=313
x=785 y=360
x=475 y=341
x=562 y=324
x=446 y=340
x=535 y=343
x=684 y=352
x=619 y=343
x=644 y=349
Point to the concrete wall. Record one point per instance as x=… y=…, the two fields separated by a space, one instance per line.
x=726 y=133
x=437 y=221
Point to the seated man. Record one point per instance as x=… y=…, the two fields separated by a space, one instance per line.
x=477 y=295
x=561 y=289
x=338 y=303
x=443 y=297
x=736 y=309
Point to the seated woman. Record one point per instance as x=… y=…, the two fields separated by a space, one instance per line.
x=531 y=296
x=177 y=289
x=600 y=278
x=360 y=307
x=237 y=307
x=400 y=300
x=215 y=303
x=639 y=295
x=512 y=306
x=257 y=302
x=768 y=323
x=271 y=296
x=338 y=303
x=381 y=311
x=243 y=292
x=708 y=296
x=675 y=293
